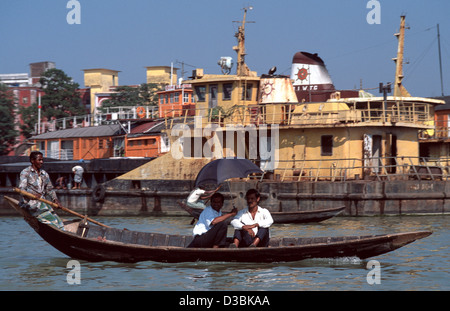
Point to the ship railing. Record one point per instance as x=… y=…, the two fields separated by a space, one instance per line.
x=290 y=115
x=440 y=132
x=103 y=116
x=374 y=168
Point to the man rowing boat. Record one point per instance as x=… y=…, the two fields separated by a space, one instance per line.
x=36 y=181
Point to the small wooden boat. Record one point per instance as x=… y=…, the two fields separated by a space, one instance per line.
x=96 y=243
x=286 y=217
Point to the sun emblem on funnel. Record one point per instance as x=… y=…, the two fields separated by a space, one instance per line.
x=302 y=74
x=267 y=89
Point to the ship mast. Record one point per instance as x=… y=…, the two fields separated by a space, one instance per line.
x=399 y=89
x=242 y=68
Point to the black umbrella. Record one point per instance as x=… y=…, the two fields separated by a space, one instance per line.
x=218 y=171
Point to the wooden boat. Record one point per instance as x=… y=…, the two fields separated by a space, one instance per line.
x=95 y=243
x=286 y=217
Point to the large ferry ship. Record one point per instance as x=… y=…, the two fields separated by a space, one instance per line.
x=319 y=147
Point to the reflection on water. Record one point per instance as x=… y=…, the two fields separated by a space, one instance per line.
x=29 y=263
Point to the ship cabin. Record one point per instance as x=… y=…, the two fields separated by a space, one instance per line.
x=219 y=96
x=176 y=101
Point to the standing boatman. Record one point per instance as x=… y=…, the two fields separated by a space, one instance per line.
x=36 y=181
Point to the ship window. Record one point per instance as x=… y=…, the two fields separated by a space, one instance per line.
x=247 y=92
x=227 y=89
x=326 y=144
x=200 y=91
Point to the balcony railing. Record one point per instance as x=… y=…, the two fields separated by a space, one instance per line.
x=375 y=168
x=62 y=154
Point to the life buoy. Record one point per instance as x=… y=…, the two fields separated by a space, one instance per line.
x=98 y=194
x=140 y=112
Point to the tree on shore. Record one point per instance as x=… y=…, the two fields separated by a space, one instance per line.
x=8 y=133
x=61 y=100
x=143 y=95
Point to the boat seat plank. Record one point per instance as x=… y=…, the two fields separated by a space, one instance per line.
x=144 y=238
x=160 y=239
x=113 y=234
x=129 y=237
x=176 y=240
x=95 y=232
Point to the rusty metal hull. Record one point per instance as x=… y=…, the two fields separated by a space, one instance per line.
x=360 y=197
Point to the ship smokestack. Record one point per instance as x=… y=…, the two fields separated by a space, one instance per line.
x=311 y=80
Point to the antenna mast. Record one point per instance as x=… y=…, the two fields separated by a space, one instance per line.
x=399 y=89
x=242 y=68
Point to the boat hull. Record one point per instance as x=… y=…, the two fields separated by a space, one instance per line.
x=109 y=244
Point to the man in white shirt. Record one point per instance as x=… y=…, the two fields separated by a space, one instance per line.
x=197 y=198
x=252 y=223
x=211 y=228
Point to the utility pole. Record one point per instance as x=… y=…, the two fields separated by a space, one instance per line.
x=182 y=67
x=39 y=115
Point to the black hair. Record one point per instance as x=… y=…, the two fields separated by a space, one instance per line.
x=218 y=195
x=253 y=191
x=34 y=155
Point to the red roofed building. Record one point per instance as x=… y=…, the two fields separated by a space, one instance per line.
x=147 y=140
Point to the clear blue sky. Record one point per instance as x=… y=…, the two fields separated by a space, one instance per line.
x=130 y=35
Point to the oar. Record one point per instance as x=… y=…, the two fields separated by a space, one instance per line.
x=32 y=196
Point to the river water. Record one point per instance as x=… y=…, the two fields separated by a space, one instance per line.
x=29 y=263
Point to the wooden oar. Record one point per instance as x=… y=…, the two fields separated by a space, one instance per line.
x=32 y=196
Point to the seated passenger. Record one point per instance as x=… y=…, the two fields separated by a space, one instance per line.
x=252 y=223
x=198 y=197
x=211 y=228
